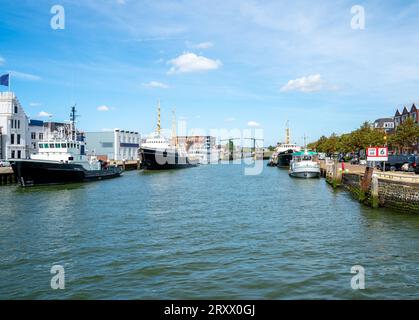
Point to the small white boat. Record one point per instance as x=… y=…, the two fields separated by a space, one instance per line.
x=304 y=164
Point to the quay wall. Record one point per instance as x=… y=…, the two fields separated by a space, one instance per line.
x=398 y=195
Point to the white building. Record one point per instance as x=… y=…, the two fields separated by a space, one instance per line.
x=113 y=145
x=36 y=133
x=14 y=123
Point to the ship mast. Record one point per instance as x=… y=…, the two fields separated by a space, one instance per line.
x=287 y=133
x=174 y=138
x=73 y=123
x=158 y=118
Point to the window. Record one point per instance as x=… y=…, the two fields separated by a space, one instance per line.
x=51 y=145
x=16 y=109
x=107 y=145
x=41 y=136
x=12 y=122
x=46 y=145
x=13 y=154
x=63 y=145
x=12 y=139
x=18 y=139
x=41 y=145
x=33 y=135
x=19 y=154
x=18 y=124
x=57 y=145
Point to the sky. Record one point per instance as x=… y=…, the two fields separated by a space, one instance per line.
x=235 y=64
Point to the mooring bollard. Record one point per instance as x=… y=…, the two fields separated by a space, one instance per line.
x=374 y=191
x=336 y=175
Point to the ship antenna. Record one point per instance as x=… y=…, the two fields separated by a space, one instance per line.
x=158 y=118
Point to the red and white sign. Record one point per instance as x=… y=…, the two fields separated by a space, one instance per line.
x=377 y=154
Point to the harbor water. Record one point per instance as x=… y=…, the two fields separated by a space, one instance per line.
x=209 y=232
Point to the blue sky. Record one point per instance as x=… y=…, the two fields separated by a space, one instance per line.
x=221 y=64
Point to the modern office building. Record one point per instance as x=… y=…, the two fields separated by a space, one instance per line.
x=113 y=145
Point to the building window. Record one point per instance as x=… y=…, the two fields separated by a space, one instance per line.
x=18 y=124
x=19 y=154
x=18 y=139
x=13 y=154
x=16 y=109
x=41 y=136
x=12 y=139
x=107 y=144
x=33 y=135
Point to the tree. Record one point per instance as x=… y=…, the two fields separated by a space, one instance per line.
x=406 y=135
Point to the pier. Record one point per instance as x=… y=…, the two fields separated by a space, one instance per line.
x=7 y=176
x=126 y=165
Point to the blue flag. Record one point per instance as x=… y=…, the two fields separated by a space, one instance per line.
x=4 y=80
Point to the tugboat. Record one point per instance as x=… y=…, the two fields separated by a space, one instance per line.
x=62 y=159
x=304 y=164
x=158 y=152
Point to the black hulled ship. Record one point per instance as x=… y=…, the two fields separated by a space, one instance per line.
x=160 y=153
x=61 y=159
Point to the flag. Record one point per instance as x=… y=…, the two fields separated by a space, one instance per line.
x=4 y=80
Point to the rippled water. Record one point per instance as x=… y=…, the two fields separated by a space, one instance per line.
x=206 y=232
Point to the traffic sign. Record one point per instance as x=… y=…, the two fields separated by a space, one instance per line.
x=377 y=154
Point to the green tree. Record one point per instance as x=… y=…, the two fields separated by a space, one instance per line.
x=406 y=135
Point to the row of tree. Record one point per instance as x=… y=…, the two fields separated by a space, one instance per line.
x=404 y=137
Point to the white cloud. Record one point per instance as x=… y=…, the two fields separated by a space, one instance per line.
x=190 y=62
x=103 y=108
x=155 y=84
x=24 y=76
x=2 y=61
x=44 y=114
x=307 y=84
x=35 y=104
x=253 y=124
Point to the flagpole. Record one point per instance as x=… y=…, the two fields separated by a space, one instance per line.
x=10 y=81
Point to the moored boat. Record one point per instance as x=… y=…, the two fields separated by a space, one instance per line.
x=61 y=159
x=158 y=152
x=304 y=164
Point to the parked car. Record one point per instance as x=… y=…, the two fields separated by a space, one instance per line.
x=415 y=165
x=399 y=163
x=322 y=156
x=355 y=160
x=4 y=163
